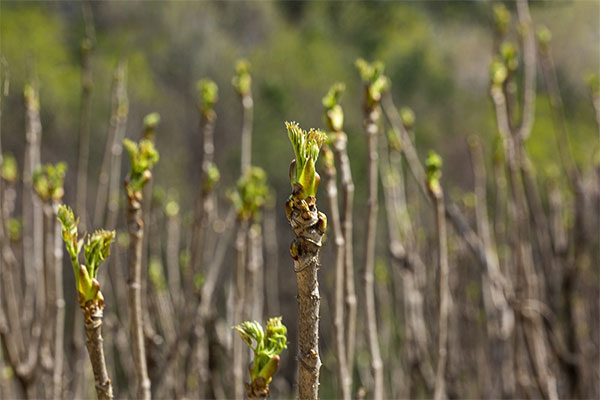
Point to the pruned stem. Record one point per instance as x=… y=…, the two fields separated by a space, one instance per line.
x=113 y=148
x=59 y=334
x=306 y=222
x=94 y=343
x=372 y=130
x=338 y=319
x=248 y=106
x=136 y=232
x=241 y=244
x=84 y=130
x=340 y=149
x=500 y=316
x=444 y=293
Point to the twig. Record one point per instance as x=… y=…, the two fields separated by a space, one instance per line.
x=437 y=195
x=243 y=85
x=338 y=309
x=91 y=301
x=500 y=316
x=241 y=244
x=374 y=84
x=334 y=117
x=143 y=157
x=84 y=128
x=309 y=226
x=111 y=164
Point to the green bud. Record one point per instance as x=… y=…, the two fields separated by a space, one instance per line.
x=97 y=249
x=143 y=157
x=544 y=36
x=372 y=76
x=9 y=171
x=509 y=55
x=250 y=194
x=306 y=148
x=14 y=227
x=242 y=81
x=156 y=275
x=501 y=18
x=212 y=177
x=433 y=171
x=48 y=181
x=208 y=92
x=498 y=72
x=332 y=97
x=265 y=344
x=151 y=120
x=408 y=117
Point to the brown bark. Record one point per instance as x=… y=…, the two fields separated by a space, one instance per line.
x=308 y=226
x=93 y=323
x=116 y=131
x=444 y=293
x=241 y=247
x=340 y=149
x=248 y=107
x=338 y=319
x=372 y=130
x=135 y=226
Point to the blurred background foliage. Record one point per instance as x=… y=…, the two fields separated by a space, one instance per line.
x=437 y=55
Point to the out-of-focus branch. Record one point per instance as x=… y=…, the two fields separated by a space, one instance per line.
x=529 y=61
x=338 y=319
x=375 y=84
x=434 y=164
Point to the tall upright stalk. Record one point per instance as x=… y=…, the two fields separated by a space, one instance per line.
x=84 y=128
x=338 y=307
x=112 y=152
x=434 y=164
x=500 y=317
x=32 y=209
x=205 y=203
x=59 y=335
x=375 y=83
x=242 y=81
x=241 y=244
x=143 y=157
x=48 y=183
x=309 y=226
x=91 y=301
x=406 y=262
x=334 y=119
x=248 y=199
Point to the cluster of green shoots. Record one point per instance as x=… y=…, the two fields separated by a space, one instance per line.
x=10 y=171
x=48 y=181
x=501 y=18
x=334 y=115
x=266 y=346
x=150 y=123
x=303 y=176
x=504 y=64
x=143 y=157
x=250 y=193
x=433 y=172
x=208 y=92
x=211 y=177
x=242 y=81
x=376 y=82
x=96 y=249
